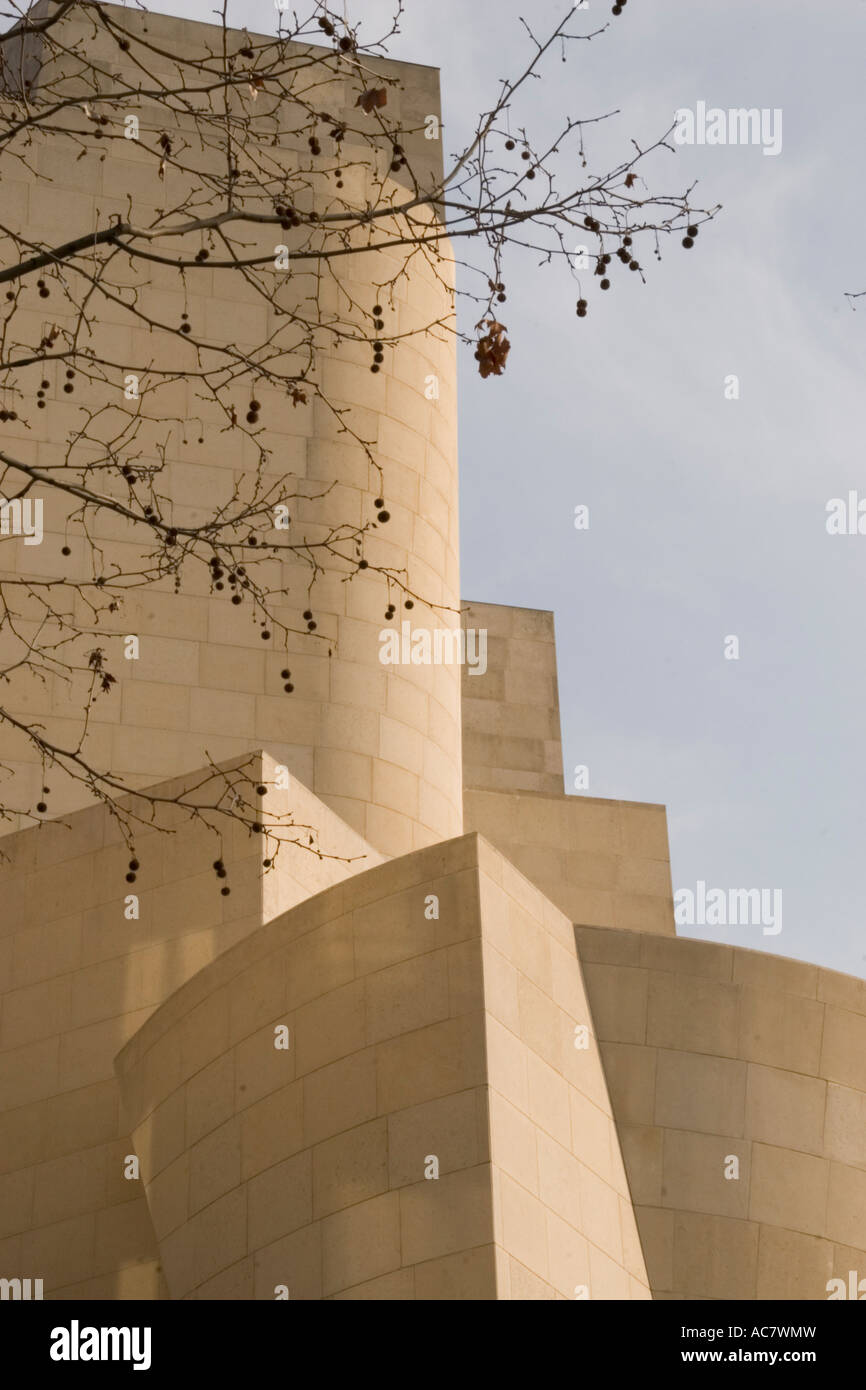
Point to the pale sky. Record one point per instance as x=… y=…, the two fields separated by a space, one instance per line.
x=707 y=516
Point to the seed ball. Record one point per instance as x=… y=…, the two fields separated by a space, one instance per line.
x=345 y=43
x=265 y=635
x=266 y=863
x=134 y=864
x=66 y=550
x=379 y=502
x=288 y=688
x=306 y=613
x=68 y=387
x=581 y=304
x=257 y=829
x=384 y=516
x=311 y=625
x=692 y=231
x=254 y=405
x=688 y=242
x=45 y=385
x=13 y=415
x=252 y=417
x=185 y=328
x=236 y=598
x=362 y=564
x=261 y=791
x=605 y=285
x=375 y=367
x=219 y=585
x=409 y=603
x=41 y=806
x=626 y=241
x=40 y=405
x=509 y=144
x=633 y=265
x=617 y=9
x=225 y=892
x=379 y=323
x=377 y=309
x=285 y=675
x=130 y=878
x=380 y=356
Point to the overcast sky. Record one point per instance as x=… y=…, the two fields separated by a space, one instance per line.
x=707 y=515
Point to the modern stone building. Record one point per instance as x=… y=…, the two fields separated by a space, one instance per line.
x=459 y=1054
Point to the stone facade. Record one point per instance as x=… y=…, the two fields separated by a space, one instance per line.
x=453 y=1050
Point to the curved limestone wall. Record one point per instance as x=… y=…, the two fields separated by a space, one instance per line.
x=738 y=1083
x=81 y=968
x=424 y=1128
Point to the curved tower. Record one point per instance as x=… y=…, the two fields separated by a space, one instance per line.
x=379 y=743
